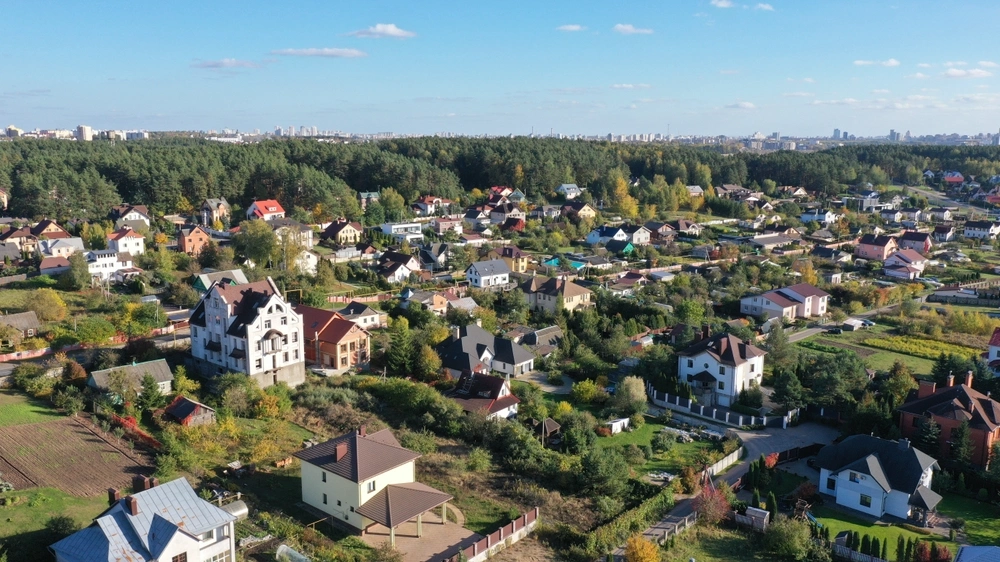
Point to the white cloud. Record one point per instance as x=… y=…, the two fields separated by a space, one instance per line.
x=923 y=65
x=890 y=62
x=321 y=52
x=741 y=105
x=225 y=63
x=765 y=7
x=630 y=86
x=380 y=30
x=571 y=27
x=956 y=63
x=845 y=101
x=880 y=91
x=988 y=64
x=919 y=97
x=809 y=80
x=629 y=29
x=918 y=76
x=798 y=94
x=971 y=73
x=722 y=3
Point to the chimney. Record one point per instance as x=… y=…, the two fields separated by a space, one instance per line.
x=133 y=505
x=951 y=380
x=706 y=332
x=904 y=443
x=340 y=452
x=140 y=483
x=926 y=388
x=113 y=496
x=968 y=379
x=362 y=431
x=154 y=482
x=457 y=333
x=479 y=322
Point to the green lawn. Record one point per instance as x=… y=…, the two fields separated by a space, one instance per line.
x=980 y=518
x=707 y=544
x=838 y=521
x=23 y=529
x=18 y=409
x=878 y=359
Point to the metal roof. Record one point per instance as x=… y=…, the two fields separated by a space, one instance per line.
x=365 y=456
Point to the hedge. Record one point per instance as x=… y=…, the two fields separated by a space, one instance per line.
x=920 y=347
x=613 y=534
x=819 y=347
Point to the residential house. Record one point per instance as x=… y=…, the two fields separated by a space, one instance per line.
x=292 y=231
x=913 y=240
x=188 y=412
x=489 y=394
x=491 y=273
x=598 y=262
x=396 y=272
x=130 y=215
x=192 y=240
x=430 y=205
x=166 y=522
x=770 y=242
x=832 y=254
x=474 y=240
x=786 y=231
x=604 y=234
x=545 y=212
x=543 y=342
x=686 y=227
x=660 y=231
x=891 y=215
x=248 y=329
x=435 y=256
x=53 y=266
x=796 y=301
x=978 y=554
x=216 y=210
x=878 y=477
x=127 y=240
x=367 y=197
x=134 y=373
x=719 y=367
x=516 y=259
x=905 y=264
x=569 y=191
x=953 y=179
x=24 y=322
x=695 y=191
x=579 y=210
x=637 y=234
x=332 y=341
x=982 y=230
x=875 y=247
x=940 y=214
x=391 y=257
x=513 y=225
x=502 y=213
x=475 y=218
x=362 y=479
x=627 y=283
x=545 y=293
x=944 y=233
x=11 y=253
x=949 y=407
x=364 y=315
x=60 y=247
x=822 y=216
x=619 y=247
x=267 y=209
x=912 y=214
x=207 y=277
x=704 y=251
x=431 y=300
x=443 y=225
x=404 y=232
x=472 y=349
x=343 y=232
x=106 y=264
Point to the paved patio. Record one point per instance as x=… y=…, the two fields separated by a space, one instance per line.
x=439 y=541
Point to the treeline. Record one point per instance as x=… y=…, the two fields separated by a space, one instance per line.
x=81 y=180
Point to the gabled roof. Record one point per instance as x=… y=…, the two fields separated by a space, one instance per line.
x=357 y=309
x=607 y=231
x=227 y=276
x=478 y=392
x=490 y=267
x=894 y=465
x=337 y=227
x=618 y=246
x=958 y=402
x=914 y=236
x=398 y=503
x=633 y=228
x=285 y=222
x=183 y=407
x=807 y=290
x=463 y=354
x=51 y=263
x=215 y=204
x=908 y=256
x=122 y=233
x=246 y=299
x=266 y=207
x=553 y=287
x=506 y=208
x=874 y=240
x=365 y=456
x=23 y=320
x=725 y=348
x=978 y=554
x=981 y=225
x=119 y=211
x=163 y=511
x=189 y=230
x=545 y=336
x=135 y=372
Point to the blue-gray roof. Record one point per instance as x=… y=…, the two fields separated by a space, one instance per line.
x=490 y=267
x=163 y=511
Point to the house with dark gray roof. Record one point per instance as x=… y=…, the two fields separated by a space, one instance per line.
x=472 y=349
x=485 y=393
x=719 y=367
x=25 y=322
x=160 y=371
x=490 y=273
x=164 y=522
x=879 y=477
x=361 y=479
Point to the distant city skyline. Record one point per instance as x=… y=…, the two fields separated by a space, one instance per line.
x=695 y=67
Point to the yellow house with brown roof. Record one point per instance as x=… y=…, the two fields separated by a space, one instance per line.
x=516 y=259
x=543 y=293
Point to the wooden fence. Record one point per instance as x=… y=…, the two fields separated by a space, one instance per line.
x=842 y=551
x=499 y=540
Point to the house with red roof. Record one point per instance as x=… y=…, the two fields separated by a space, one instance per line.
x=797 y=301
x=719 y=367
x=913 y=240
x=485 y=393
x=333 y=341
x=875 y=247
x=905 y=264
x=266 y=209
x=992 y=354
x=127 y=240
x=430 y=205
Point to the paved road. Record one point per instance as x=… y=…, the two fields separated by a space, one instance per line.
x=937 y=198
x=756 y=443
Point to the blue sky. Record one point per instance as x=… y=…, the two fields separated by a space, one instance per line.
x=801 y=67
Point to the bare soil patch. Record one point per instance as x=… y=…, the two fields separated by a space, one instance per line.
x=67 y=454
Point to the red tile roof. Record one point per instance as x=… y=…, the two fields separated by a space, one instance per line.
x=123 y=233
x=995 y=340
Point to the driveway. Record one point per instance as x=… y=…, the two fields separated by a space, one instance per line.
x=541 y=379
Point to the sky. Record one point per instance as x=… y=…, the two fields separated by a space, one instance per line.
x=687 y=67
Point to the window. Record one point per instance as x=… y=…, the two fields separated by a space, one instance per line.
x=722 y=385
x=286 y=356
x=752 y=367
x=207 y=536
x=284 y=320
x=224 y=556
x=352 y=511
x=257 y=364
x=295 y=337
x=343 y=348
x=371 y=486
x=194 y=331
x=690 y=363
x=295 y=354
x=324 y=476
x=284 y=340
x=722 y=370
x=267 y=324
x=831 y=483
x=182 y=557
x=258 y=346
x=915 y=422
x=854 y=477
x=866 y=501
x=352 y=346
x=324 y=499
x=338 y=503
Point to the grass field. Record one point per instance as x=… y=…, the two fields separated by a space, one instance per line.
x=680 y=455
x=838 y=521
x=18 y=409
x=980 y=518
x=708 y=544
x=878 y=359
x=23 y=529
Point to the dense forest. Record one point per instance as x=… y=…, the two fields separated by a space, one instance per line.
x=65 y=180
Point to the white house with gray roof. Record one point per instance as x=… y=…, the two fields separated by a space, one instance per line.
x=135 y=372
x=168 y=522
x=490 y=273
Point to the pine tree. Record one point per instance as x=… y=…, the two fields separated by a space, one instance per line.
x=934 y=551
x=755 y=502
x=772 y=505
x=866 y=545
x=927 y=438
x=856 y=539
x=961 y=449
x=399 y=358
x=900 y=548
x=885 y=550
x=876 y=547
x=909 y=550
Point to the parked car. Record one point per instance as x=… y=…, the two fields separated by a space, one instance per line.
x=868 y=323
x=835 y=331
